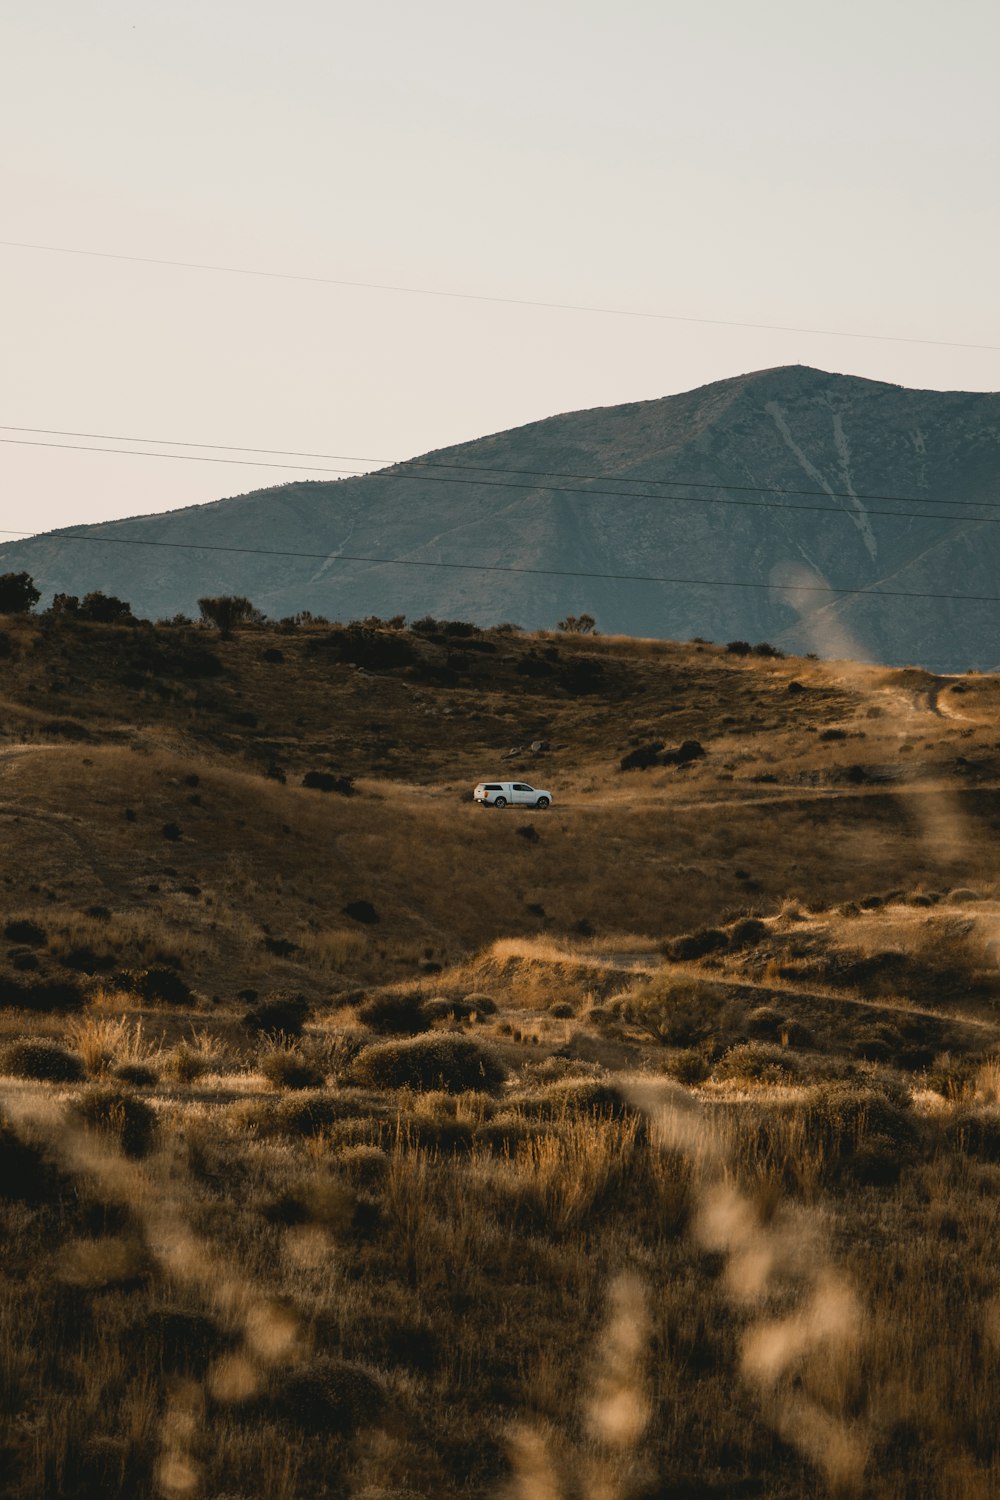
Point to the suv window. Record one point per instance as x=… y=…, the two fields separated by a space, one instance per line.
x=492 y=786
x=522 y=786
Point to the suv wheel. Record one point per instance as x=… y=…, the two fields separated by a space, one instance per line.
x=499 y=801
x=542 y=802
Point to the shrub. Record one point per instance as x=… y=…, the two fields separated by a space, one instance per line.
x=25 y=1176
x=694 y=945
x=687 y=752
x=325 y=781
x=281 y=947
x=105 y=609
x=747 y=933
x=284 y=1013
x=41 y=994
x=120 y=1115
x=18 y=594
x=578 y=624
x=975 y=1134
x=689 y=1066
x=328 y=1396
x=677 y=1015
x=739 y=648
x=136 y=1074
x=361 y=911
x=287 y=1068
x=452 y=1063
x=36 y=1057
x=841 y=1116
x=159 y=984
x=759 y=1060
x=642 y=758
x=307 y=1114
x=174 y=1341
x=399 y=1015
x=764 y=1023
x=765 y=649
x=22 y=931
x=227 y=612
x=483 y=1005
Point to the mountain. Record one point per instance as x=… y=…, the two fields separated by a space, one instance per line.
x=582 y=493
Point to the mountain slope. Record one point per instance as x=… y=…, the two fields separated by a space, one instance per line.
x=838 y=438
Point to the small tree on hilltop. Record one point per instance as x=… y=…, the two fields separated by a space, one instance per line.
x=578 y=625
x=228 y=612
x=18 y=595
x=105 y=609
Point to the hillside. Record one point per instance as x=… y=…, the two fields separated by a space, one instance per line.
x=836 y=445
x=358 y=1142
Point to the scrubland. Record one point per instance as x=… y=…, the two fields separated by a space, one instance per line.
x=362 y=1143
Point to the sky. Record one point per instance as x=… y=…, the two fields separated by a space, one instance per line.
x=781 y=162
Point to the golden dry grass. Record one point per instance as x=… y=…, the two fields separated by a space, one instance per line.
x=728 y=1227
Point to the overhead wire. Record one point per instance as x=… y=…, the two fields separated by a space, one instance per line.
x=407 y=475
x=536 y=302
x=432 y=463
x=414 y=562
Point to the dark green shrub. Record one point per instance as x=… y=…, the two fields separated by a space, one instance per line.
x=877 y=1162
x=758 y=1060
x=105 y=609
x=975 y=1135
x=328 y=1396
x=36 y=1057
x=18 y=594
x=280 y=947
x=483 y=1005
x=122 y=1116
x=286 y=1068
x=764 y=1024
x=841 y=1117
x=395 y=1015
x=452 y=1063
x=278 y=1013
x=40 y=994
x=689 y=1066
x=689 y=751
x=642 y=758
x=136 y=1074
x=227 y=612
x=678 y=1015
x=694 y=945
x=309 y=1114
x=21 y=930
x=575 y=1096
x=325 y=781
x=159 y=984
x=175 y=1342
x=25 y=1176
x=739 y=648
x=748 y=932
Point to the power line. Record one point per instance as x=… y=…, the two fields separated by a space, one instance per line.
x=552 y=489
x=430 y=463
x=423 y=291
x=407 y=562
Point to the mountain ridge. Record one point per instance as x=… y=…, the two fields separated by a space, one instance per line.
x=789 y=428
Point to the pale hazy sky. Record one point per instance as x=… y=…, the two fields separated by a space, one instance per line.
x=824 y=165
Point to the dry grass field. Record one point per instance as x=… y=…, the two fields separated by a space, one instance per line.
x=358 y=1142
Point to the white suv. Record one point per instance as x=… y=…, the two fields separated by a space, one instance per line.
x=516 y=793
